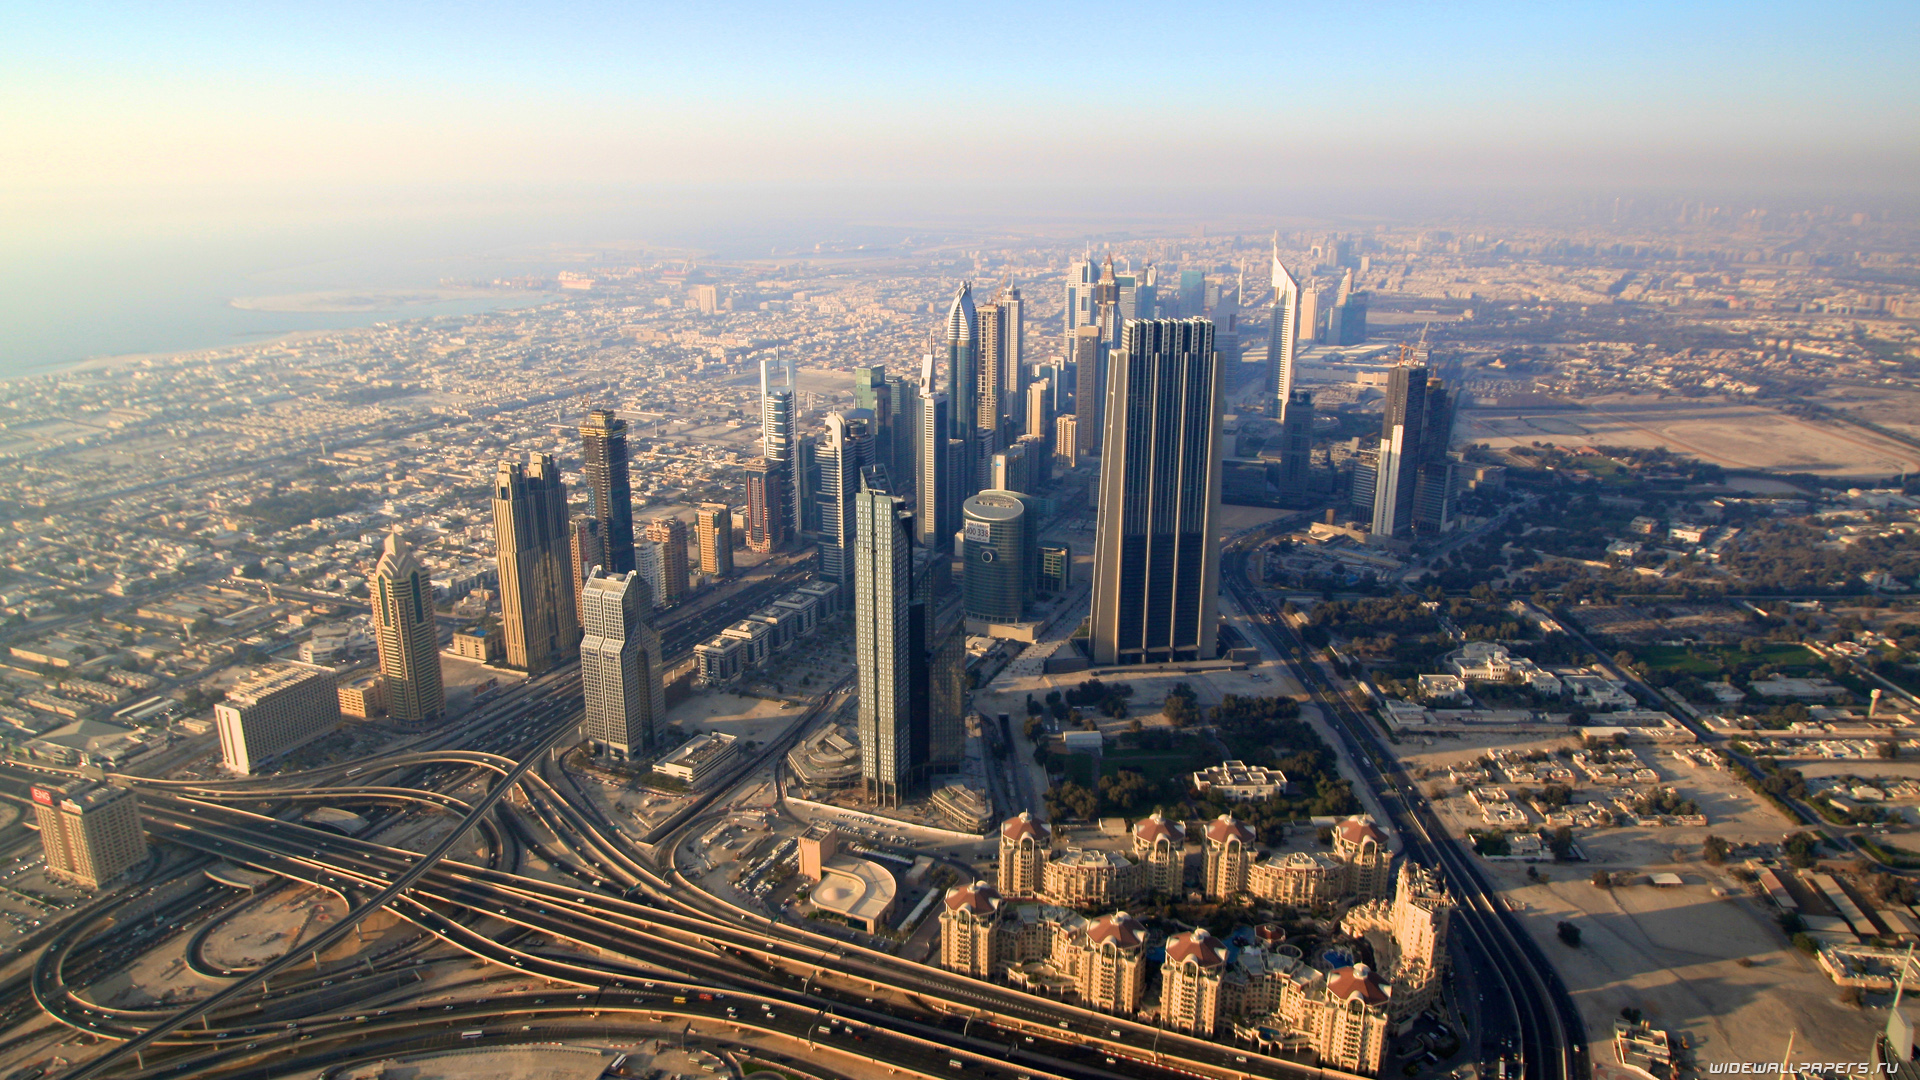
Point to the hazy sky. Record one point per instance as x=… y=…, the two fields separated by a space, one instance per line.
x=140 y=141
x=174 y=100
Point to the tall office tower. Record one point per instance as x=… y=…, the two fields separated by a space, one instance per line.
x=1037 y=409
x=603 y=441
x=406 y=636
x=671 y=534
x=1002 y=360
x=1309 y=328
x=847 y=451
x=990 y=389
x=994 y=584
x=1282 y=331
x=882 y=558
x=777 y=444
x=1011 y=471
x=1066 y=441
x=1134 y=294
x=1353 y=318
x=934 y=506
x=1089 y=358
x=940 y=680
x=1156 y=557
x=649 y=566
x=713 y=527
x=1366 y=478
x=620 y=664
x=1106 y=305
x=1400 y=449
x=1434 y=494
x=1228 y=342
x=963 y=368
x=89 y=830
x=806 y=482
x=1296 y=450
x=585 y=553
x=1338 y=308
x=900 y=454
x=1039 y=451
x=531 y=548
x=1193 y=293
x=869 y=383
x=776 y=415
x=1081 y=278
x=767 y=521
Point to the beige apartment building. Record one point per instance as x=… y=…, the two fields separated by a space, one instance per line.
x=276 y=710
x=90 y=831
x=1024 y=844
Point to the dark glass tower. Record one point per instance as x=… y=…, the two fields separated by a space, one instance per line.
x=1156 y=558
x=603 y=440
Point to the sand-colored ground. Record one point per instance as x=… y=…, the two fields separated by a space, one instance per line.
x=1714 y=968
x=1732 y=434
x=267 y=930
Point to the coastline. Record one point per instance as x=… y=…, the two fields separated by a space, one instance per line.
x=217 y=352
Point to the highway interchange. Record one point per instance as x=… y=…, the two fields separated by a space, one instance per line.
x=627 y=948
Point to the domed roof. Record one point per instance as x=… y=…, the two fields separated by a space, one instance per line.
x=1359 y=829
x=979 y=898
x=1120 y=928
x=1157 y=826
x=1022 y=826
x=1358 y=981
x=1198 y=946
x=1226 y=827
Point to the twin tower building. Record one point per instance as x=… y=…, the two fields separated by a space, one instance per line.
x=572 y=587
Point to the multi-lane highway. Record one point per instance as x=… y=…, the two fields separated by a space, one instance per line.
x=627 y=937
x=1527 y=1014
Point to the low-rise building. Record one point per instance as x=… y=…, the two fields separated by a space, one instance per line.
x=1237 y=781
x=699 y=759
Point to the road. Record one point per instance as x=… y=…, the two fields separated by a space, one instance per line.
x=1541 y=1027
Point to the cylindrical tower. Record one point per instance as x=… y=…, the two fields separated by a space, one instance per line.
x=993 y=525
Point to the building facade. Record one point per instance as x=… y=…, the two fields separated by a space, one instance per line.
x=603 y=445
x=1156 y=564
x=620 y=670
x=994 y=554
x=274 y=711
x=407 y=636
x=90 y=831
x=713 y=527
x=882 y=567
x=670 y=533
x=532 y=550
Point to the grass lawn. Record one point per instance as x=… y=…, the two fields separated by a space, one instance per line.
x=1159 y=765
x=1701 y=662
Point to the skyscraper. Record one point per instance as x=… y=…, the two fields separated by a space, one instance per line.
x=671 y=534
x=994 y=583
x=1282 y=332
x=713 y=526
x=603 y=440
x=963 y=371
x=883 y=656
x=1089 y=359
x=620 y=664
x=777 y=445
x=1081 y=278
x=1156 y=557
x=869 y=384
x=933 y=496
x=767 y=521
x=531 y=548
x=406 y=636
x=1434 y=494
x=990 y=388
x=1296 y=450
x=847 y=451
x=1066 y=441
x=584 y=554
x=1400 y=450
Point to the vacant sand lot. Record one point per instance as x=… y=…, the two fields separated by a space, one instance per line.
x=1732 y=434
